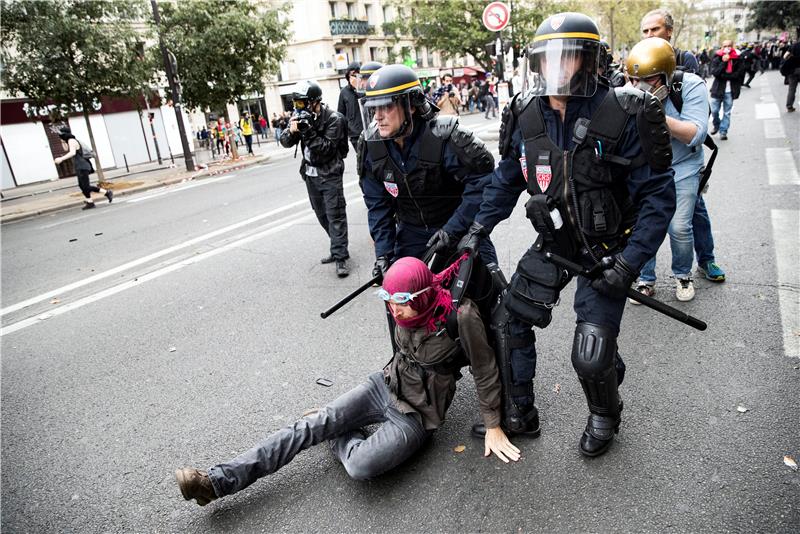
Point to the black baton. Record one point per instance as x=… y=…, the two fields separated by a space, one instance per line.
x=650 y=302
x=351 y=296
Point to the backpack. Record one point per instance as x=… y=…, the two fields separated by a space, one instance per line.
x=676 y=98
x=86 y=150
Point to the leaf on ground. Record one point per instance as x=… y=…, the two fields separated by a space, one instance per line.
x=462 y=448
x=173 y=349
x=789 y=461
x=742 y=409
x=55 y=301
x=557 y=389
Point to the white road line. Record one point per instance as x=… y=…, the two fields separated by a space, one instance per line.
x=780 y=166
x=99 y=276
x=786 y=234
x=290 y=221
x=172 y=189
x=773 y=129
x=767 y=111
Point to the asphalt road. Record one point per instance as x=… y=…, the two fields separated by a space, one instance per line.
x=179 y=326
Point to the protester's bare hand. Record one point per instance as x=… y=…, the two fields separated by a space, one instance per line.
x=293 y=126
x=496 y=442
x=726 y=57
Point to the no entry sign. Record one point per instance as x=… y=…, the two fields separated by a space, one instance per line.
x=496 y=16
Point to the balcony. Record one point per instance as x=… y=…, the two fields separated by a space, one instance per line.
x=350 y=27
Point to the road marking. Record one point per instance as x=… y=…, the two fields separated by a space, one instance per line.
x=288 y=222
x=171 y=189
x=786 y=234
x=767 y=111
x=780 y=167
x=105 y=274
x=773 y=129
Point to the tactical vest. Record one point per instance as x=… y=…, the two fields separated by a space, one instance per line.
x=426 y=196
x=586 y=184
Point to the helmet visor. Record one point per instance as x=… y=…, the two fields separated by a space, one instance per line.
x=565 y=67
x=386 y=117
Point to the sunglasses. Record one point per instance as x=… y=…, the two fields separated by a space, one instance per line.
x=400 y=297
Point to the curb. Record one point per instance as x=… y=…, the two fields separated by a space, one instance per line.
x=166 y=181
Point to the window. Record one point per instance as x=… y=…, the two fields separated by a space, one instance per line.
x=419 y=58
x=369 y=13
x=333 y=9
x=356 y=54
x=351 y=10
x=387 y=14
x=373 y=53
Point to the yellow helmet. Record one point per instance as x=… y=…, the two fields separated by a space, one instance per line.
x=650 y=57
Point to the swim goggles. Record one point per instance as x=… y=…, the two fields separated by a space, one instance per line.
x=399 y=297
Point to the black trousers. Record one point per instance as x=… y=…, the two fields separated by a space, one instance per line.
x=249 y=140
x=327 y=200
x=86 y=188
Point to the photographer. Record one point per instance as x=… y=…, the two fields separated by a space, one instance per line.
x=322 y=134
x=449 y=102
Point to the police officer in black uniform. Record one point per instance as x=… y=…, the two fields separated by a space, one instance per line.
x=356 y=76
x=596 y=164
x=322 y=134
x=422 y=176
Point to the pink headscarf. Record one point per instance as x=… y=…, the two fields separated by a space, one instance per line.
x=412 y=275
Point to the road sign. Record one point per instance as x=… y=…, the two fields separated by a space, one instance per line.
x=496 y=16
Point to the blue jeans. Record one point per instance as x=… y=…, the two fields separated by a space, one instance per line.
x=399 y=436
x=681 y=237
x=727 y=103
x=703 y=240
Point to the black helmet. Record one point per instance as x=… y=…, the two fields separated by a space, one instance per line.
x=307 y=90
x=564 y=53
x=366 y=71
x=386 y=107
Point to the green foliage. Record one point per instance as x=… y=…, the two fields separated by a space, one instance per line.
x=619 y=21
x=782 y=15
x=71 y=52
x=224 y=48
x=454 y=27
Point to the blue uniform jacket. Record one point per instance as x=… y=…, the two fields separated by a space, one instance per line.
x=654 y=193
x=380 y=206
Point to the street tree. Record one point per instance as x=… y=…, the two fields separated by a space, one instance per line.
x=783 y=15
x=66 y=55
x=619 y=21
x=454 y=27
x=224 y=49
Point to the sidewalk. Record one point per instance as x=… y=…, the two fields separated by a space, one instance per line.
x=54 y=195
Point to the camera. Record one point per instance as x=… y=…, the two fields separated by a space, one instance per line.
x=303 y=119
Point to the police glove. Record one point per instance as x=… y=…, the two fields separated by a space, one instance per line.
x=472 y=240
x=381 y=266
x=440 y=242
x=616 y=278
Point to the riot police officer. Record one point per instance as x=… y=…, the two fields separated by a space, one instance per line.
x=322 y=135
x=596 y=164
x=356 y=76
x=422 y=176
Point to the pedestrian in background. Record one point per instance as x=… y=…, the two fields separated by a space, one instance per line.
x=83 y=168
x=262 y=122
x=791 y=70
x=348 y=102
x=449 y=103
x=246 y=127
x=276 y=125
x=728 y=71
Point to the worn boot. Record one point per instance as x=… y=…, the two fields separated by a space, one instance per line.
x=342 y=270
x=88 y=206
x=327 y=259
x=519 y=422
x=195 y=484
x=110 y=195
x=598 y=435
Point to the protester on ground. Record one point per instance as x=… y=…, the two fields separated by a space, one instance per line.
x=409 y=399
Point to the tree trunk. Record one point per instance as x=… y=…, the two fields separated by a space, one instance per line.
x=611 y=29
x=99 y=168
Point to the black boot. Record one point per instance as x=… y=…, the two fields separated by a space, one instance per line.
x=342 y=269
x=520 y=422
x=598 y=435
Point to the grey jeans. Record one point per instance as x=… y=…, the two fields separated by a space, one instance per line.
x=399 y=436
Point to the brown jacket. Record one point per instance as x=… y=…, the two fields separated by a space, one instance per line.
x=421 y=380
x=448 y=105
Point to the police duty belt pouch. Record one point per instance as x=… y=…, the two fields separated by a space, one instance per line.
x=600 y=215
x=533 y=289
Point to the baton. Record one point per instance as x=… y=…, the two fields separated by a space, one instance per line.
x=351 y=296
x=650 y=302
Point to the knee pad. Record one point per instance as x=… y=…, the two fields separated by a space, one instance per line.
x=594 y=352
